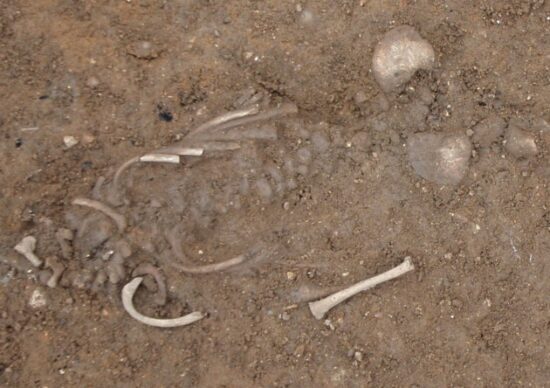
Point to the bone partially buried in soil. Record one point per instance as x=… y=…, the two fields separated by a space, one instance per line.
x=128 y=292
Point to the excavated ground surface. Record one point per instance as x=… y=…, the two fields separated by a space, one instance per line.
x=331 y=201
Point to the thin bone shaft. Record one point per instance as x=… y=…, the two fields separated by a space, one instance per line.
x=212 y=124
x=160 y=158
x=283 y=110
x=321 y=307
x=119 y=219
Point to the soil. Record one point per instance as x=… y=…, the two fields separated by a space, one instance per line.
x=331 y=201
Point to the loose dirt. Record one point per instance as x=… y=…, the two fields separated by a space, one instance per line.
x=331 y=201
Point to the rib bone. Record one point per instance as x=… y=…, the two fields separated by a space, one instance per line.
x=128 y=295
x=322 y=306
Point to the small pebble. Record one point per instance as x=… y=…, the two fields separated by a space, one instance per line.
x=360 y=98
x=304 y=155
x=143 y=50
x=291 y=276
x=92 y=82
x=70 y=141
x=320 y=142
x=358 y=356
x=38 y=299
x=520 y=144
x=285 y=316
x=328 y=323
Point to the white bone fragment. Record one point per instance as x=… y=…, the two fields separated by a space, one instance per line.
x=26 y=247
x=160 y=158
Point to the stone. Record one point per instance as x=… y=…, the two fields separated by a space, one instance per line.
x=520 y=143
x=439 y=158
x=488 y=131
x=399 y=55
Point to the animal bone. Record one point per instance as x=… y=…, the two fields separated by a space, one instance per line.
x=162 y=155
x=230 y=116
x=57 y=269
x=119 y=219
x=200 y=269
x=26 y=247
x=148 y=269
x=177 y=150
x=321 y=307
x=160 y=158
x=62 y=236
x=127 y=301
x=115 y=269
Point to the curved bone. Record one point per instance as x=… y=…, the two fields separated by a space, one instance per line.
x=119 y=219
x=128 y=292
x=199 y=269
x=215 y=122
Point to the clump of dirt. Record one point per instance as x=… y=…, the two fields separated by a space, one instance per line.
x=316 y=201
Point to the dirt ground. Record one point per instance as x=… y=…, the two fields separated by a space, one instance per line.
x=331 y=201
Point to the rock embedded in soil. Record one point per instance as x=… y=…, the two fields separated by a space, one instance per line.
x=438 y=158
x=38 y=299
x=399 y=55
x=520 y=143
x=488 y=131
x=143 y=50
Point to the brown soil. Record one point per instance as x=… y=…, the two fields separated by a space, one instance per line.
x=476 y=312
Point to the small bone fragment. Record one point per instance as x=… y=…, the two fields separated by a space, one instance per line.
x=123 y=248
x=119 y=219
x=178 y=150
x=148 y=269
x=321 y=307
x=128 y=292
x=200 y=269
x=115 y=269
x=123 y=168
x=26 y=247
x=160 y=158
x=96 y=191
x=212 y=124
x=57 y=268
x=62 y=236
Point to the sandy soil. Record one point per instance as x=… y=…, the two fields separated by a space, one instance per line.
x=331 y=201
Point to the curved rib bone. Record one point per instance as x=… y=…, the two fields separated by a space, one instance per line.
x=128 y=292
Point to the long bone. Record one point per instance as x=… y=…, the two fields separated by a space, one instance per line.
x=322 y=306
